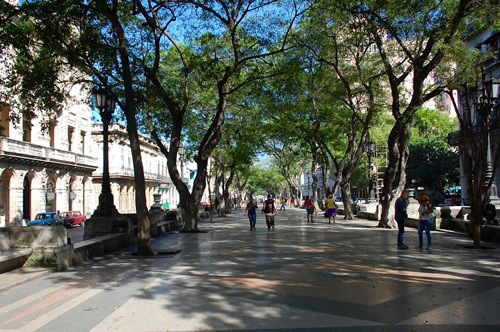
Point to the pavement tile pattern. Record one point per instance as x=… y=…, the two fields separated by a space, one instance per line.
x=347 y=276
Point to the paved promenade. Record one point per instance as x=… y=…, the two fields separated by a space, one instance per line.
x=311 y=277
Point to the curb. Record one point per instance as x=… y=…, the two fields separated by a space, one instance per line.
x=21 y=276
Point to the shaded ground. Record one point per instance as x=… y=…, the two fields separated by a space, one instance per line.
x=348 y=276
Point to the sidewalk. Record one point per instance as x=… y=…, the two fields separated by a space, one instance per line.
x=312 y=277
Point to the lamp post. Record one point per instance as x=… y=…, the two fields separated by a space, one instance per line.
x=106 y=104
x=370 y=150
x=490 y=103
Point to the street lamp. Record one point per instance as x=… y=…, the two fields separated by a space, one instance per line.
x=490 y=101
x=106 y=103
x=370 y=149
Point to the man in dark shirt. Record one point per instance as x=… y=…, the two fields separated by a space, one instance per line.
x=400 y=215
x=269 y=209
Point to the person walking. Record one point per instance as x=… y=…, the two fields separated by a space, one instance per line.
x=308 y=204
x=269 y=209
x=331 y=207
x=426 y=217
x=400 y=215
x=251 y=212
x=283 y=203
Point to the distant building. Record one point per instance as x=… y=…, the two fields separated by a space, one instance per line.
x=121 y=170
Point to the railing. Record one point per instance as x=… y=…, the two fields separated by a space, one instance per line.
x=27 y=150
x=127 y=171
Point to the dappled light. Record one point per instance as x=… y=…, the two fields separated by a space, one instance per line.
x=293 y=265
x=295 y=276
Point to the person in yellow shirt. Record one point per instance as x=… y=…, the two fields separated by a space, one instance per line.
x=331 y=207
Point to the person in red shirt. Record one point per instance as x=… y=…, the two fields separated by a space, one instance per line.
x=308 y=204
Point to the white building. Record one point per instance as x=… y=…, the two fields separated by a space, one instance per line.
x=121 y=170
x=46 y=170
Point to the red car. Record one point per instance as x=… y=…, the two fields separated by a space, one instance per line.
x=72 y=218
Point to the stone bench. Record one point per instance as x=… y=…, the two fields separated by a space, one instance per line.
x=166 y=226
x=98 y=246
x=13 y=258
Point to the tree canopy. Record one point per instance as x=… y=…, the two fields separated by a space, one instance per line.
x=308 y=82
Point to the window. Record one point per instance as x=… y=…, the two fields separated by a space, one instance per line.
x=26 y=129
x=71 y=132
x=82 y=141
x=52 y=133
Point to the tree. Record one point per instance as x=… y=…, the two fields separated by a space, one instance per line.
x=290 y=160
x=88 y=40
x=339 y=42
x=266 y=181
x=432 y=163
x=418 y=33
x=123 y=46
x=226 y=58
x=238 y=148
x=474 y=113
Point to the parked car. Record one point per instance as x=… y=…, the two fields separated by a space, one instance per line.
x=46 y=219
x=72 y=218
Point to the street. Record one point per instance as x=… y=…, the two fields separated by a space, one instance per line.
x=311 y=277
x=75 y=234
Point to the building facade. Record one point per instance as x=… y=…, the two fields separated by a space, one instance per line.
x=46 y=169
x=487 y=42
x=121 y=170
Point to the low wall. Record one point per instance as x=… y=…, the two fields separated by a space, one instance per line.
x=454 y=218
x=97 y=226
x=48 y=245
x=369 y=211
x=99 y=246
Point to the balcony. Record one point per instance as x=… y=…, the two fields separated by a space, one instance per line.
x=127 y=172
x=31 y=154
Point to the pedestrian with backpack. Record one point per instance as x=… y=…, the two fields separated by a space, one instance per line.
x=251 y=212
x=269 y=209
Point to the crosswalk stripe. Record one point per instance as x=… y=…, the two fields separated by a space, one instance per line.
x=23 y=302
x=60 y=310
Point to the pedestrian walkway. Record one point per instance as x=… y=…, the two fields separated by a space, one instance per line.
x=311 y=277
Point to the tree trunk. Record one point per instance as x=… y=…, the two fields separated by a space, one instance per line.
x=129 y=108
x=226 y=192
x=398 y=153
x=345 y=190
x=190 y=202
x=143 y=222
x=476 y=219
x=189 y=211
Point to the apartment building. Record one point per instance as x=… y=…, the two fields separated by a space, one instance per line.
x=46 y=169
